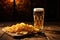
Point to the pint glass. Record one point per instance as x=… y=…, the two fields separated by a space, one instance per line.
x=38 y=14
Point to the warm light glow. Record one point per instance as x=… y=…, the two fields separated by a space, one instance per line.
x=11 y=0
x=17 y=2
x=21 y=2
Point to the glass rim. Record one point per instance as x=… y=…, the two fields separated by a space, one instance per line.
x=38 y=9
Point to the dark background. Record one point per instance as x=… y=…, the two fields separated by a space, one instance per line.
x=8 y=13
x=52 y=13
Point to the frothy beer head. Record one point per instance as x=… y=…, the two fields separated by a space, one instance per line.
x=38 y=9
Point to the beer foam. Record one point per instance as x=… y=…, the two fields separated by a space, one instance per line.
x=38 y=9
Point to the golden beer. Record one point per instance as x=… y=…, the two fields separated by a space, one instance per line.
x=38 y=14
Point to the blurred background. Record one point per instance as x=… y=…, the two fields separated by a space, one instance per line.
x=22 y=10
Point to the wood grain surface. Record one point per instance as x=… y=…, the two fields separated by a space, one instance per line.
x=50 y=30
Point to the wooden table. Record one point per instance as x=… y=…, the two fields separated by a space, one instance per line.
x=52 y=31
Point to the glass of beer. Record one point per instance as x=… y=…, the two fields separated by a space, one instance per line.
x=38 y=14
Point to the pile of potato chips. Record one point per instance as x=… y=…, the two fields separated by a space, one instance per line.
x=21 y=28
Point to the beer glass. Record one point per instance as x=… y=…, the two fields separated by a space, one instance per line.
x=38 y=14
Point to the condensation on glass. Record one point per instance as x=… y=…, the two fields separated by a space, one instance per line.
x=38 y=14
